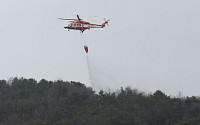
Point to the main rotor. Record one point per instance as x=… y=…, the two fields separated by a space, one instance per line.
x=79 y=19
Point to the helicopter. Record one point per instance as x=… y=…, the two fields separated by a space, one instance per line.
x=78 y=24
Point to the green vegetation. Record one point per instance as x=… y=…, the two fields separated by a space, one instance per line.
x=28 y=102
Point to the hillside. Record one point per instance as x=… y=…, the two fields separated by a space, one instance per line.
x=28 y=102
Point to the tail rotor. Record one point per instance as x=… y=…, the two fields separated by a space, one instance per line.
x=106 y=21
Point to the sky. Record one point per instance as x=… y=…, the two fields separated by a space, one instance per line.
x=148 y=45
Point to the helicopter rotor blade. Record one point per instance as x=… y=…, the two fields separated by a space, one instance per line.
x=66 y=19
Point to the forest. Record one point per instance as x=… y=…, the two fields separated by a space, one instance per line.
x=30 y=102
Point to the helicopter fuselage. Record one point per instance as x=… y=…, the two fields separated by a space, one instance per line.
x=82 y=25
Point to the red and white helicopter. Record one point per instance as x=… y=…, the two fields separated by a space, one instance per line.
x=78 y=24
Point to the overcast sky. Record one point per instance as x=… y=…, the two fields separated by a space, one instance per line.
x=148 y=45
